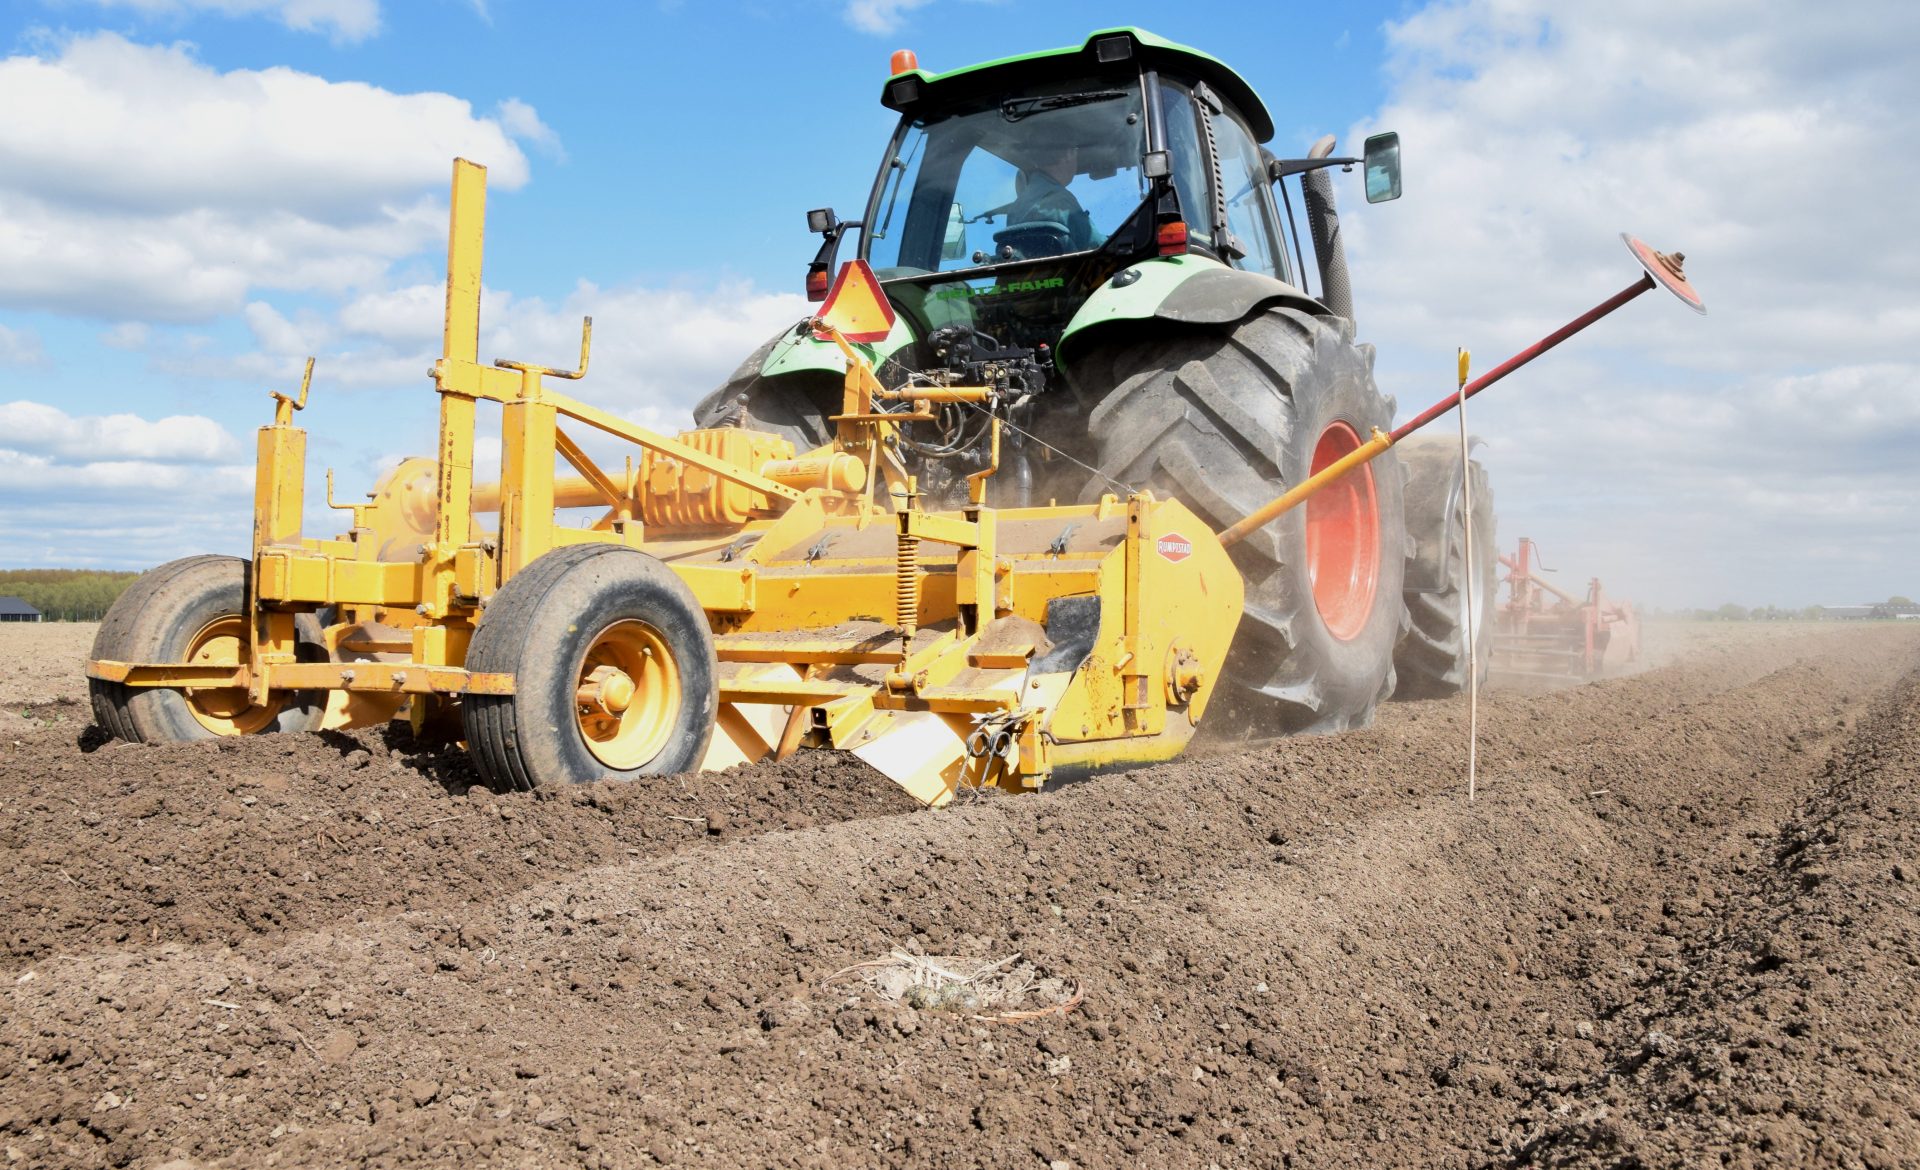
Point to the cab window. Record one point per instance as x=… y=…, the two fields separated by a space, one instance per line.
x=1044 y=172
x=1180 y=120
x=1249 y=199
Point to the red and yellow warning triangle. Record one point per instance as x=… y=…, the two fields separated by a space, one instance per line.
x=856 y=306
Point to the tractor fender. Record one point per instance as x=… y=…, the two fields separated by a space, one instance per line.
x=1433 y=496
x=1187 y=290
x=797 y=350
x=792 y=383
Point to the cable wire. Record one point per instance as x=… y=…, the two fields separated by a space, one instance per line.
x=1023 y=432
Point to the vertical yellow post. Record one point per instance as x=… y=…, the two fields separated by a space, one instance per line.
x=279 y=497
x=280 y=471
x=526 y=476
x=461 y=343
x=280 y=462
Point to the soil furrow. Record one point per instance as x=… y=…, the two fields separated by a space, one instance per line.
x=1310 y=954
x=1786 y=1030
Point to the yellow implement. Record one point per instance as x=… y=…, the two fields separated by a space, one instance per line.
x=981 y=647
x=735 y=600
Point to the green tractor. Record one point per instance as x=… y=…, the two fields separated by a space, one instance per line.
x=1097 y=233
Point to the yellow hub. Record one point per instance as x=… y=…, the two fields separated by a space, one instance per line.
x=628 y=695
x=225 y=710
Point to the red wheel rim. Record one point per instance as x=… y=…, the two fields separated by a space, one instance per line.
x=1343 y=538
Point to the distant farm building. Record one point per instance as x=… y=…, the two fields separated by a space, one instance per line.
x=12 y=609
x=1878 y=611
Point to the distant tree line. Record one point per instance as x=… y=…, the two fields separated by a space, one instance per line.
x=66 y=595
x=1892 y=607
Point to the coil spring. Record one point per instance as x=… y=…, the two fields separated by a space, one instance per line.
x=906 y=585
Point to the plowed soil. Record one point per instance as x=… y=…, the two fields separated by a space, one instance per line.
x=1677 y=927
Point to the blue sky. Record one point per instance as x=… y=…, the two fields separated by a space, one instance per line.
x=693 y=136
x=194 y=194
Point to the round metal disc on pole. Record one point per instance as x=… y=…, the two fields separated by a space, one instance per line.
x=1665 y=268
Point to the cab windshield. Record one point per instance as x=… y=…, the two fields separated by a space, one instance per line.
x=1047 y=171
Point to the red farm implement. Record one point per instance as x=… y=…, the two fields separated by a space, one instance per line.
x=1543 y=632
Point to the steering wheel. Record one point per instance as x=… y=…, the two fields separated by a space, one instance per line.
x=1033 y=239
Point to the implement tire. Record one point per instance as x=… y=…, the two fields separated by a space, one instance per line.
x=599 y=618
x=1225 y=419
x=1432 y=659
x=196 y=609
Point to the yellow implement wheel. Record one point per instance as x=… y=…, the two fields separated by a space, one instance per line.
x=194 y=610
x=613 y=668
x=628 y=695
x=226 y=710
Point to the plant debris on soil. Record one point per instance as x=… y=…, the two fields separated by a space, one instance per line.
x=1677 y=928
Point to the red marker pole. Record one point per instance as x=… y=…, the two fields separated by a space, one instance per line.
x=1662 y=270
x=1523 y=357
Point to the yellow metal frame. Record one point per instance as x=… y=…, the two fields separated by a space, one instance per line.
x=846 y=616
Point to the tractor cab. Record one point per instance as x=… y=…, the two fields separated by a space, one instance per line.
x=1011 y=190
x=1035 y=211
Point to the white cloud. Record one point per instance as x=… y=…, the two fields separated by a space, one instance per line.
x=124 y=515
x=118 y=125
x=118 y=490
x=410 y=314
x=1683 y=459
x=654 y=349
x=23 y=474
x=20 y=347
x=880 y=16
x=342 y=20
x=137 y=182
x=127 y=335
x=274 y=334
x=192 y=265
x=523 y=122
x=34 y=429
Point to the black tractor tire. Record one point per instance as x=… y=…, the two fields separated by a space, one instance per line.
x=160 y=618
x=548 y=626
x=1225 y=419
x=1432 y=659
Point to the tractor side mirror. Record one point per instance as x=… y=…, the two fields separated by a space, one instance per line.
x=1382 y=166
x=822 y=220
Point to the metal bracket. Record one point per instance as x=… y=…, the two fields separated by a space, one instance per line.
x=283 y=406
x=586 y=346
